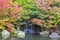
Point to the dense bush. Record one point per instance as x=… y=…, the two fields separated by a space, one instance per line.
x=45 y=13
x=50 y=12
x=30 y=11
x=9 y=13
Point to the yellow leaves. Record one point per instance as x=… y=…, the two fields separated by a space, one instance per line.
x=55 y=9
x=2 y=21
x=54 y=1
x=2 y=28
x=15 y=3
x=12 y=20
x=6 y=19
x=59 y=20
x=47 y=25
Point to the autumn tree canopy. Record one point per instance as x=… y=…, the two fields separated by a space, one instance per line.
x=9 y=13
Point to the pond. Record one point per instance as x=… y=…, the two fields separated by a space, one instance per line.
x=28 y=37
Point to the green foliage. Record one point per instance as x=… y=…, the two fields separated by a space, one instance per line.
x=29 y=7
x=30 y=11
x=55 y=4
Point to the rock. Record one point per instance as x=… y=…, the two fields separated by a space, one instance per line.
x=21 y=34
x=5 y=34
x=54 y=36
x=58 y=32
x=44 y=33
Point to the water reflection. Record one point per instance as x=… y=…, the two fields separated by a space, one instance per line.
x=29 y=37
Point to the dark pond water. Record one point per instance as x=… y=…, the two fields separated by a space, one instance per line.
x=28 y=37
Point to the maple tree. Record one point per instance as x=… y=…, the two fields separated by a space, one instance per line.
x=9 y=12
x=50 y=12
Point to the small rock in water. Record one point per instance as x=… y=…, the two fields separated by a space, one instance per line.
x=21 y=34
x=54 y=36
x=44 y=33
x=5 y=34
